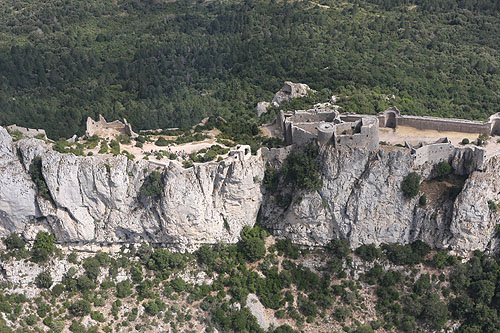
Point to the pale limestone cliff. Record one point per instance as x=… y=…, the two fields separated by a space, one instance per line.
x=290 y=91
x=473 y=225
x=361 y=200
x=96 y=199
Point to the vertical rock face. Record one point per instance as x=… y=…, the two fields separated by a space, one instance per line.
x=17 y=191
x=97 y=199
x=361 y=200
x=474 y=224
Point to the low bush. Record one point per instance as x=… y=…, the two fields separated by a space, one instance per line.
x=368 y=252
x=153 y=185
x=43 y=280
x=14 y=242
x=411 y=185
x=43 y=247
x=80 y=308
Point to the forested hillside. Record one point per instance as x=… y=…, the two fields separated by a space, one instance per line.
x=169 y=64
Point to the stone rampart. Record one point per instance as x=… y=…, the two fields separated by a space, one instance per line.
x=301 y=136
x=445 y=125
x=28 y=132
x=392 y=118
x=433 y=153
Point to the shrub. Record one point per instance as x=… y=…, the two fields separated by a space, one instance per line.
x=84 y=283
x=144 y=253
x=411 y=185
x=341 y=313
x=115 y=147
x=422 y=285
x=492 y=206
x=162 y=142
x=423 y=200
x=369 y=252
x=123 y=289
x=178 y=284
x=104 y=148
x=443 y=169
x=80 y=308
x=151 y=308
x=153 y=186
x=14 y=242
x=302 y=169
x=206 y=256
x=92 y=267
x=465 y=141
x=271 y=179
x=36 y=174
x=453 y=192
x=73 y=258
x=123 y=139
x=43 y=280
x=136 y=273
x=286 y=247
x=32 y=319
x=98 y=316
x=57 y=290
x=307 y=307
x=339 y=248
x=434 y=311
x=252 y=243
x=43 y=247
x=406 y=254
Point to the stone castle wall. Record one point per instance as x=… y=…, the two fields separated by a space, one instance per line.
x=326 y=125
x=366 y=138
x=101 y=126
x=433 y=153
x=28 y=132
x=393 y=118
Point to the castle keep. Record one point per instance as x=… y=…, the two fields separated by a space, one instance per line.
x=327 y=125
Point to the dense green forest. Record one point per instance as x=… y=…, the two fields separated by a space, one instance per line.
x=170 y=64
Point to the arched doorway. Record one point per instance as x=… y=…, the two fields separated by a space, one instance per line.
x=390 y=119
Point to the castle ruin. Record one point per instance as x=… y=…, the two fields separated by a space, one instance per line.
x=105 y=129
x=324 y=123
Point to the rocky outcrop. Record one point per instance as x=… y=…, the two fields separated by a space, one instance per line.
x=290 y=91
x=361 y=200
x=17 y=191
x=473 y=225
x=97 y=199
x=264 y=320
x=262 y=108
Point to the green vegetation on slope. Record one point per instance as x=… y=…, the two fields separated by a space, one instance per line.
x=397 y=288
x=163 y=64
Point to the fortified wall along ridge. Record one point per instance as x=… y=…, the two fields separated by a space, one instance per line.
x=327 y=125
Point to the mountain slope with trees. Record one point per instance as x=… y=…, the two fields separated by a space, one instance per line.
x=170 y=64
